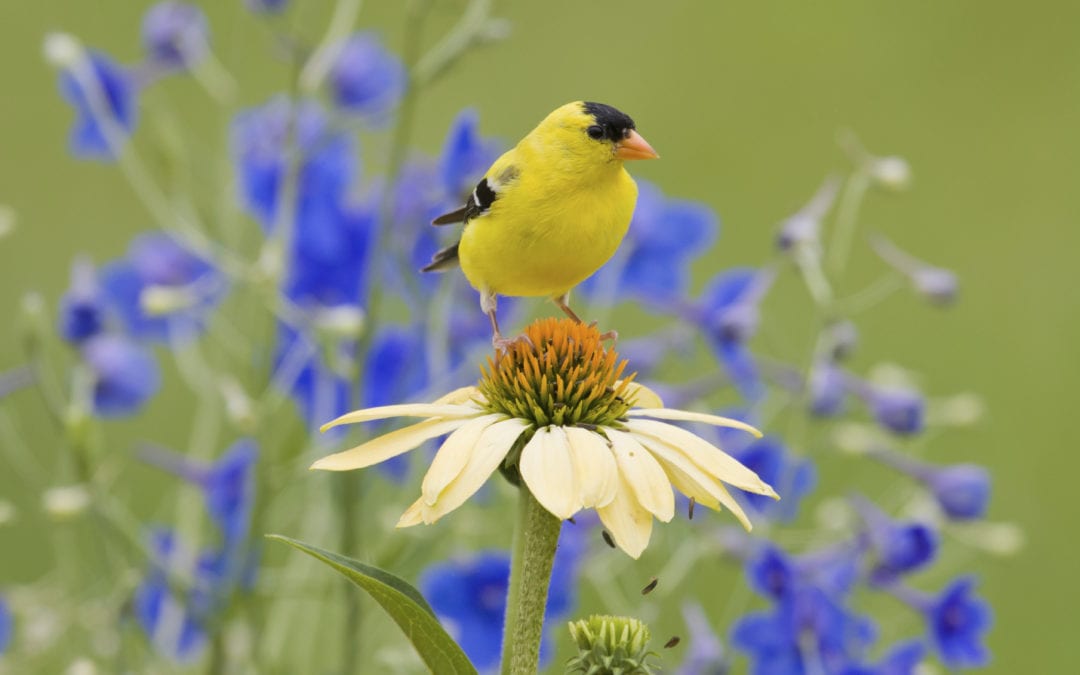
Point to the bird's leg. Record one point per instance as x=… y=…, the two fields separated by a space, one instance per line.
x=489 y=304
x=563 y=303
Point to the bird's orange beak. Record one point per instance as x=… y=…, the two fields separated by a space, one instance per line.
x=634 y=147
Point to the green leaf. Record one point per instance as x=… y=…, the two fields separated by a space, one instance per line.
x=403 y=603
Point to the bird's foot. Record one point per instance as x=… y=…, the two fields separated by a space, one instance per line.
x=503 y=344
x=612 y=335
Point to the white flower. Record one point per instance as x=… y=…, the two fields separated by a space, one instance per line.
x=561 y=418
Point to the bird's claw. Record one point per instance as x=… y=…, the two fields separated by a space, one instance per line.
x=612 y=335
x=503 y=344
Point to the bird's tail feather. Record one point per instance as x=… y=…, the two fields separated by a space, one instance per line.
x=444 y=259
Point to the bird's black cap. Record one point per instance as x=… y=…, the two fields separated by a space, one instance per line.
x=614 y=121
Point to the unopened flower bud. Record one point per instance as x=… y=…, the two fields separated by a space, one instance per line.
x=238 y=405
x=340 y=321
x=161 y=300
x=66 y=502
x=892 y=173
x=937 y=284
x=610 y=644
x=7 y=220
x=62 y=50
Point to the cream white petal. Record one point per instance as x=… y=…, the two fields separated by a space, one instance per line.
x=594 y=466
x=404 y=410
x=389 y=445
x=692 y=481
x=687 y=416
x=453 y=455
x=489 y=452
x=644 y=475
x=712 y=459
x=459 y=396
x=548 y=471
x=628 y=521
x=643 y=396
x=413 y=515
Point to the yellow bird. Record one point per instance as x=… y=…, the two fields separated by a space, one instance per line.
x=549 y=212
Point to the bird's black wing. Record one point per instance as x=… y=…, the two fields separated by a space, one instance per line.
x=481 y=199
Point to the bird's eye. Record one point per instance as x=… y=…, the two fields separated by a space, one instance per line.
x=596 y=132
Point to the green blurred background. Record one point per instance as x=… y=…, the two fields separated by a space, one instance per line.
x=743 y=100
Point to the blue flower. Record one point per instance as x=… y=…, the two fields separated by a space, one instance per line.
x=772 y=573
x=116 y=90
x=706 y=654
x=158 y=262
x=792 y=476
x=396 y=371
x=168 y=621
x=664 y=236
x=727 y=312
x=469 y=597
x=827 y=389
x=366 y=79
x=936 y=284
x=175 y=34
x=902 y=659
x=957 y=621
x=465 y=156
x=961 y=490
x=321 y=392
x=82 y=308
x=229 y=488
x=809 y=620
x=901 y=547
x=125 y=375
x=7 y=625
x=327 y=163
x=901 y=411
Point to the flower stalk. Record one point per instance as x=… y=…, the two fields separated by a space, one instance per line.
x=536 y=536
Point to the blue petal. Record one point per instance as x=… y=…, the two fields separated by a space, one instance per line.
x=367 y=79
x=125 y=375
x=87 y=139
x=726 y=288
x=229 y=488
x=7 y=625
x=465 y=156
x=175 y=34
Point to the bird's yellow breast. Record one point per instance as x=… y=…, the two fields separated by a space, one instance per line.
x=549 y=229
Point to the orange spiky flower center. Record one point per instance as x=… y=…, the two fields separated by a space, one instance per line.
x=561 y=375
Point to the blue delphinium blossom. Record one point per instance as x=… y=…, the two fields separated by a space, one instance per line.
x=899 y=410
x=938 y=285
x=705 y=653
x=727 y=312
x=365 y=78
x=794 y=477
x=664 y=236
x=7 y=625
x=956 y=621
x=961 y=490
x=469 y=597
x=175 y=34
x=902 y=659
x=125 y=375
x=83 y=313
x=229 y=489
x=808 y=623
x=827 y=389
x=396 y=371
x=157 y=262
x=117 y=93
x=261 y=144
x=175 y=631
x=901 y=547
x=466 y=156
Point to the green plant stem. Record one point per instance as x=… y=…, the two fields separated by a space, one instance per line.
x=535 y=539
x=846 y=222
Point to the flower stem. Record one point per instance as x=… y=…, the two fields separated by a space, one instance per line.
x=535 y=539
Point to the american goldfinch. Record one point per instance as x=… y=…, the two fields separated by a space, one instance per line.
x=549 y=212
